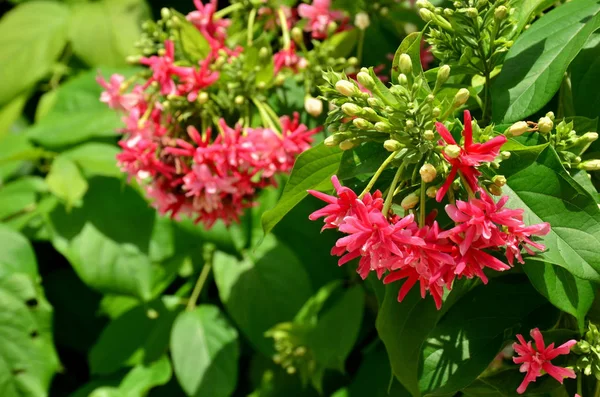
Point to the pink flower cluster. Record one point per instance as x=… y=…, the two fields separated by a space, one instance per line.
x=401 y=249
x=536 y=359
x=319 y=16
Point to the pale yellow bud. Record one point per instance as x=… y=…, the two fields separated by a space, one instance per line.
x=362 y=21
x=428 y=172
x=313 y=106
x=431 y=191
x=346 y=88
x=410 y=201
x=545 y=125
x=453 y=151
x=518 y=128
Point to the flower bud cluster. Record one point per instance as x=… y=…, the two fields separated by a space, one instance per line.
x=588 y=350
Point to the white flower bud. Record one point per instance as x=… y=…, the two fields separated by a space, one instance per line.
x=428 y=172
x=313 y=106
x=442 y=75
x=461 y=97
x=545 y=125
x=500 y=13
x=518 y=128
x=392 y=145
x=453 y=151
x=472 y=12
x=410 y=201
x=346 y=88
x=550 y=115
x=425 y=14
x=405 y=64
x=297 y=34
x=202 y=98
x=590 y=165
x=239 y=100
x=347 y=144
x=362 y=21
x=365 y=80
x=352 y=109
x=428 y=135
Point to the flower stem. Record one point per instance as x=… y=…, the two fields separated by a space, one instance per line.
x=251 y=19
x=390 y=195
x=422 y=205
x=579 y=383
x=284 y=29
x=381 y=168
x=191 y=305
x=597 y=390
x=228 y=10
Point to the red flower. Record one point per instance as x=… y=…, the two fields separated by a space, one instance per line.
x=319 y=17
x=196 y=79
x=535 y=359
x=470 y=156
x=288 y=59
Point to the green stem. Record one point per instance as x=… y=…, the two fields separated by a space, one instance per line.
x=191 y=305
x=284 y=29
x=228 y=10
x=266 y=118
x=580 y=383
x=597 y=390
x=390 y=195
x=466 y=185
x=381 y=168
x=251 y=20
x=422 y=205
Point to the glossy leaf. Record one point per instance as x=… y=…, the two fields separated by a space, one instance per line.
x=585 y=70
x=535 y=65
x=312 y=169
x=565 y=291
x=205 y=352
x=265 y=288
x=32 y=37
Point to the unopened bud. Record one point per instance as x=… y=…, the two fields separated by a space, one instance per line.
x=165 y=13
x=382 y=126
x=452 y=151
x=504 y=155
x=431 y=191
x=332 y=27
x=375 y=102
x=590 y=136
x=500 y=13
x=448 y=12
x=297 y=35
x=495 y=190
x=402 y=79
x=291 y=370
x=202 y=98
x=352 y=109
x=461 y=97
x=550 y=115
x=410 y=123
x=517 y=129
x=435 y=112
x=428 y=172
x=425 y=14
x=410 y=201
x=239 y=100
x=428 y=135
x=362 y=21
x=590 y=165
x=334 y=140
x=362 y=124
x=405 y=64
x=263 y=52
x=499 y=180
x=442 y=75
x=384 y=11
x=365 y=80
x=424 y=4
x=346 y=88
x=313 y=106
x=545 y=125
x=472 y=12
x=392 y=145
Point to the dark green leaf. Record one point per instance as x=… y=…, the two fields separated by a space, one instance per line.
x=32 y=36
x=364 y=159
x=535 y=65
x=585 y=71
x=312 y=168
x=205 y=352
x=264 y=289
x=140 y=335
x=565 y=291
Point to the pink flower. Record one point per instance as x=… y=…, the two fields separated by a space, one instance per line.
x=288 y=59
x=319 y=17
x=113 y=95
x=337 y=208
x=204 y=20
x=519 y=237
x=471 y=155
x=207 y=188
x=271 y=16
x=535 y=359
x=196 y=79
x=163 y=69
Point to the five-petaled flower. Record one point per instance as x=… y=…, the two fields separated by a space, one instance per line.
x=535 y=359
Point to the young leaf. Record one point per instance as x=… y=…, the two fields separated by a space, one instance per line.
x=205 y=352
x=411 y=45
x=312 y=168
x=66 y=182
x=264 y=289
x=535 y=65
x=32 y=37
x=144 y=377
x=195 y=46
x=565 y=291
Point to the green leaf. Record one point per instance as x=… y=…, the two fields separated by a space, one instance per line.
x=585 y=70
x=16 y=254
x=205 y=352
x=265 y=288
x=77 y=114
x=14 y=149
x=32 y=36
x=104 y=32
x=538 y=183
x=195 y=46
x=66 y=182
x=343 y=43
x=141 y=335
x=565 y=291
x=312 y=168
x=506 y=382
x=403 y=328
x=411 y=45
x=107 y=239
x=525 y=9
x=472 y=333
x=144 y=377
x=364 y=159
x=95 y=159
x=535 y=65
x=10 y=112
x=20 y=196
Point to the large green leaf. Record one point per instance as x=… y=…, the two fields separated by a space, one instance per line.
x=107 y=239
x=265 y=288
x=205 y=352
x=20 y=196
x=538 y=183
x=312 y=168
x=411 y=45
x=565 y=291
x=10 y=112
x=141 y=335
x=32 y=36
x=95 y=159
x=403 y=328
x=524 y=9
x=472 y=333
x=104 y=32
x=536 y=63
x=585 y=71
x=66 y=182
